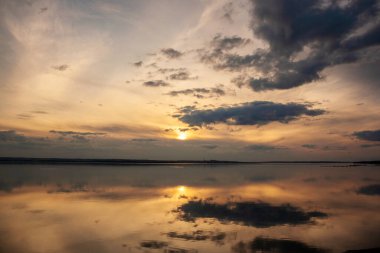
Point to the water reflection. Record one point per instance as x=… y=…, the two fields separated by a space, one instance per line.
x=256 y=214
x=260 y=244
x=189 y=208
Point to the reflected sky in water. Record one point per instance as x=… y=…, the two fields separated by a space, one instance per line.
x=189 y=208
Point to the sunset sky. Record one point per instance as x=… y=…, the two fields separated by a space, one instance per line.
x=190 y=79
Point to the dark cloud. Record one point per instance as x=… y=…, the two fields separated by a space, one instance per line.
x=156 y=83
x=73 y=188
x=182 y=129
x=371 y=250
x=373 y=189
x=43 y=9
x=199 y=92
x=304 y=38
x=228 y=10
x=144 y=140
x=62 y=67
x=181 y=76
x=309 y=146
x=225 y=43
x=171 y=53
x=369 y=145
x=24 y=116
x=218 y=49
x=370 y=135
x=37 y=211
x=185 y=129
x=11 y=136
x=74 y=133
x=334 y=147
x=77 y=137
x=256 y=214
x=209 y=146
x=261 y=244
x=325 y=148
x=153 y=244
x=7 y=187
x=199 y=235
x=261 y=178
x=252 y=113
x=260 y=147
x=167 y=70
x=39 y=112
x=138 y=64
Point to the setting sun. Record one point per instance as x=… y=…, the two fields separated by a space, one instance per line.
x=182 y=136
x=181 y=189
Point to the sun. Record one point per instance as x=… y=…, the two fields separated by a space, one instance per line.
x=182 y=136
x=181 y=189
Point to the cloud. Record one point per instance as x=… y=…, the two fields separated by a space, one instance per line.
x=76 y=137
x=199 y=92
x=336 y=148
x=309 y=146
x=261 y=244
x=138 y=64
x=199 y=235
x=369 y=135
x=369 y=145
x=71 y=133
x=72 y=188
x=185 y=129
x=303 y=39
x=181 y=129
x=144 y=140
x=43 y=9
x=373 y=189
x=256 y=214
x=228 y=10
x=156 y=83
x=39 y=112
x=136 y=130
x=252 y=113
x=225 y=43
x=261 y=147
x=325 y=148
x=8 y=186
x=209 y=146
x=24 y=116
x=153 y=244
x=218 y=49
x=12 y=136
x=167 y=70
x=261 y=178
x=62 y=67
x=181 y=76
x=171 y=53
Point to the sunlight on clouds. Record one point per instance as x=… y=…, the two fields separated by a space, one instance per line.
x=76 y=63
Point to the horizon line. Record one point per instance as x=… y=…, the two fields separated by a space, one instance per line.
x=132 y=161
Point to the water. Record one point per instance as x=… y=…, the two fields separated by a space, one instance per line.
x=189 y=208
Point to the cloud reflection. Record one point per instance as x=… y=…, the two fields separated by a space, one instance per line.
x=256 y=214
x=269 y=245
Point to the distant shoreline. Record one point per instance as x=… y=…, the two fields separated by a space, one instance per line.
x=84 y=161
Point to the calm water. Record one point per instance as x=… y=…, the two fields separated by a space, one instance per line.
x=189 y=208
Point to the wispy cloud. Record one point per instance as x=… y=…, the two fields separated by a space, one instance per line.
x=156 y=83
x=171 y=53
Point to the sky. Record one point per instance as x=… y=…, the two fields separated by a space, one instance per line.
x=241 y=80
